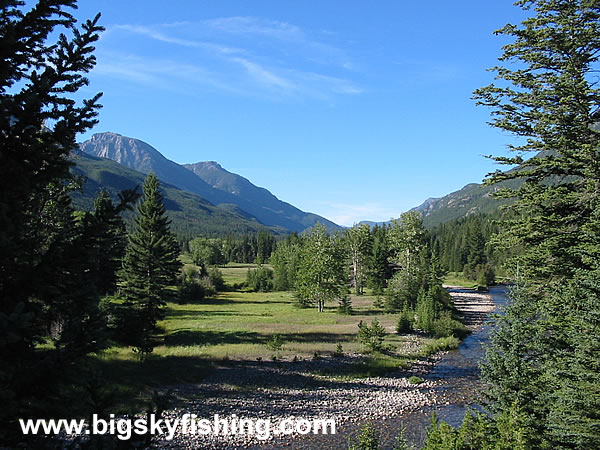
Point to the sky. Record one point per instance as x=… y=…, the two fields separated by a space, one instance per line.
x=353 y=110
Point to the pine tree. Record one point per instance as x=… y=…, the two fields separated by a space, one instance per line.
x=150 y=267
x=541 y=368
x=39 y=121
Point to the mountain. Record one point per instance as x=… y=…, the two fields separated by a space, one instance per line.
x=206 y=179
x=471 y=199
x=191 y=215
x=256 y=200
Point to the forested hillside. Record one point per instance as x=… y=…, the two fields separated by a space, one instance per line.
x=191 y=215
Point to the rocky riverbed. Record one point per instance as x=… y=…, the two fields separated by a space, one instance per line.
x=295 y=389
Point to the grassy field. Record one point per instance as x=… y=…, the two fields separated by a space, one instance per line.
x=236 y=326
x=457 y=279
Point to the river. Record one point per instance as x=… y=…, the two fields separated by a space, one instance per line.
x=459 y=372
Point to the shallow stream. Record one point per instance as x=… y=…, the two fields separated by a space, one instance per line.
x=459 y=372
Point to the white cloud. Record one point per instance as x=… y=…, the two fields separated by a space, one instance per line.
x=281 y=66
x=263 y=75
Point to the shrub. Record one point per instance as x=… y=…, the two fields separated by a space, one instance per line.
x=260 y=279
x=402 y=290
x=485 y=275
x=216 y=278
x=345 y=305
x=371 y=336
x=425 y=311
x=367 y=439
x=446 y=326
x=405 y=320
x=415 y=380
x=191 y=291
x=339 y=351
x=275 y=343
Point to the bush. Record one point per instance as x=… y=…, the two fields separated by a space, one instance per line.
x=446 y=326
x=485 y=275
x=415 y=380
x=216 y=279
x=275 y=343
x=425 y=312
x=367 y=439
x=371 y=336
x=191 y=291
x=260 y=279
x=402 y=290
x=405 y=320
x=345 y=305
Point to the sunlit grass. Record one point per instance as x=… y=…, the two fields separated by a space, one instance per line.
x=457 y=279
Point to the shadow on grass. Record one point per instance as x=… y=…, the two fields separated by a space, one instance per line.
x=204 y=337
x=239 y=301
x=194 y=314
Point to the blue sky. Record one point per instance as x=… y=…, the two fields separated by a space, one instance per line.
x=353 y=110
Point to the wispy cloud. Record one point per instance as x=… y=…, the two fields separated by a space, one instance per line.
x=162 y=74
x=257 y=26
x=263 y=75
x=245 y=55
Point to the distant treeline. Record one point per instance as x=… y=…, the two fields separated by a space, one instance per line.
x=241 y=248
x=465 y=244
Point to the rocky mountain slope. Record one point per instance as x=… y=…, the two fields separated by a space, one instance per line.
x=206 y=179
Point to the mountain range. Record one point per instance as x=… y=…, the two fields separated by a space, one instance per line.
x=213 y=186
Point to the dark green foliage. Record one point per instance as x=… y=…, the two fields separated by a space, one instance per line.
x=426 y=311
x=485 y=275
x=402 y=290
x=345 y=305
x=541 y=370
x=367 y=439
x=371 y=336
x=463 y=244
x=150 y=269
x=194 y=286
x=405 y=321
x=206 y=252
x=380 y=269
x=445 y=325
x=285 y=260
x=108 y=235
x=215 y=277
x=44 y=285
x=275 y=344
x=260 y=279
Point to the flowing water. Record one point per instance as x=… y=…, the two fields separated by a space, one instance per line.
x=458 y=372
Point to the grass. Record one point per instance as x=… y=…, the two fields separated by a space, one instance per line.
x=237 y=326
x=457 y=279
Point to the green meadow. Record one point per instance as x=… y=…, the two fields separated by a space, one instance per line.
x=236 y=326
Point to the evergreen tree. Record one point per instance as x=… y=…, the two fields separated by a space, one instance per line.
x=380 y=270
x=150 y=267
x=541 y=370
x=39 y=122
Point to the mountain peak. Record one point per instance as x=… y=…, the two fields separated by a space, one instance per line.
x=206 y=179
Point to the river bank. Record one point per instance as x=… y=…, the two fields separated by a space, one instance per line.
x=279 y=390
